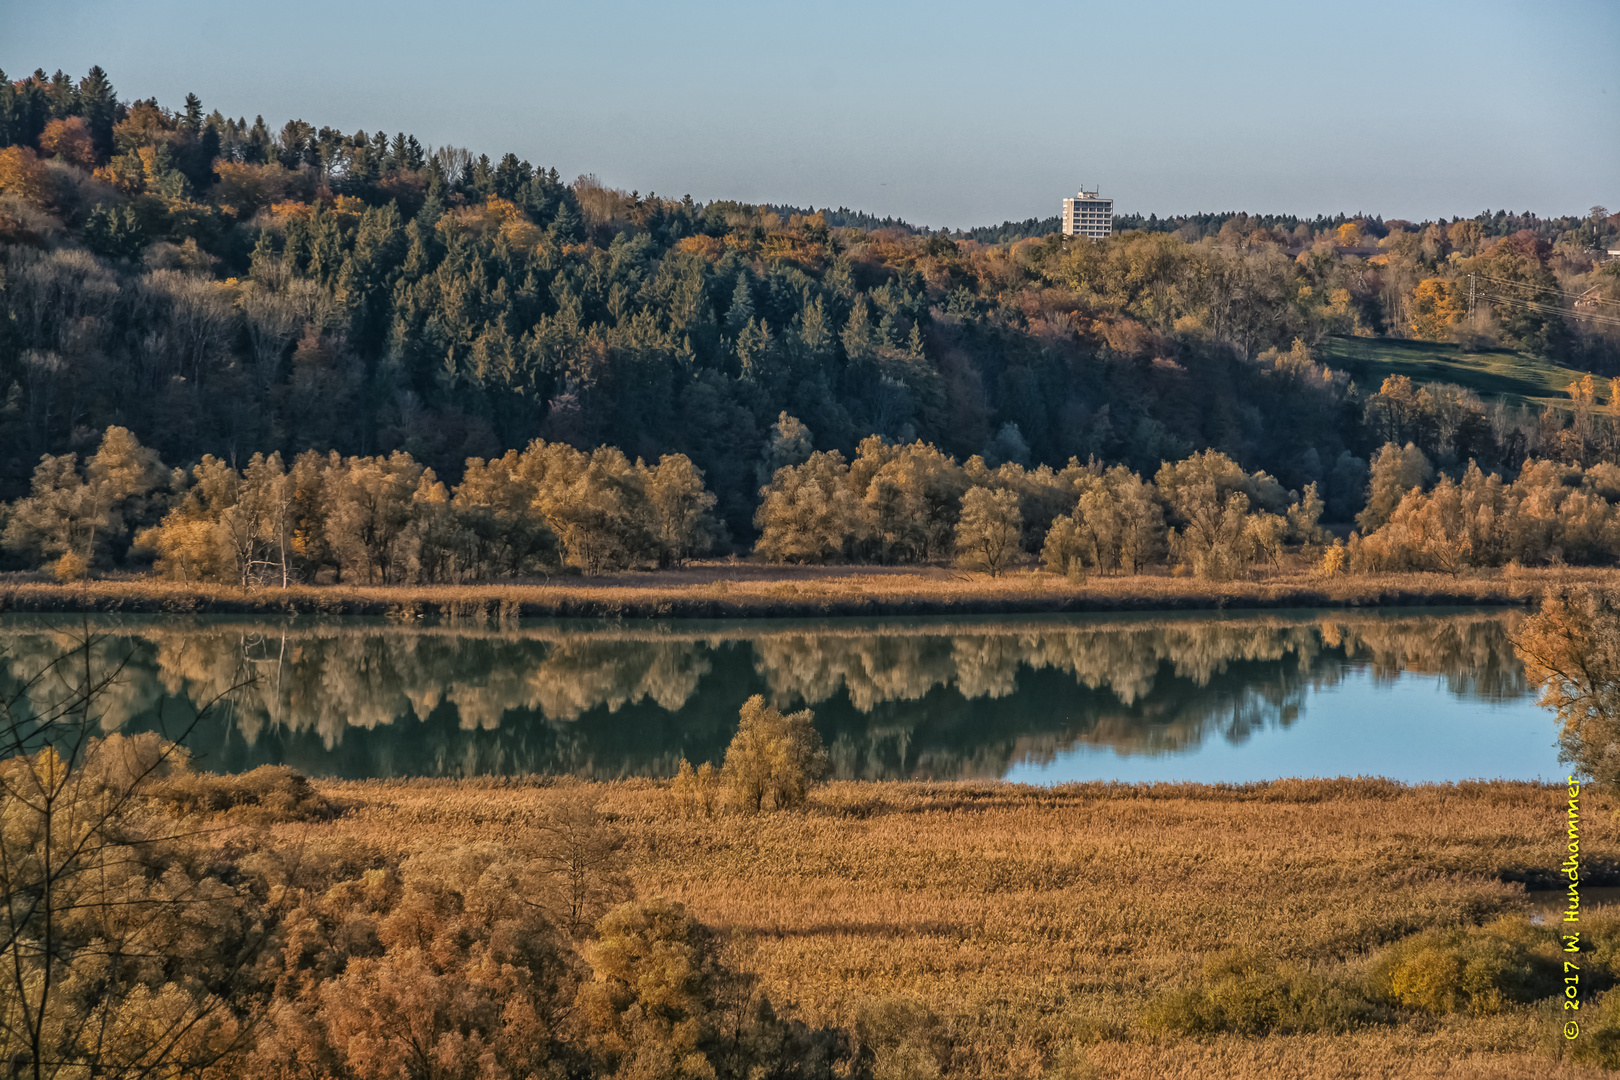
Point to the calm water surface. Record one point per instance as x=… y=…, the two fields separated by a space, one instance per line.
x=1432 y=696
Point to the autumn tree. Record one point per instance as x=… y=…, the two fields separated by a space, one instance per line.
x=790 y=443
x=1225 y=518
x=127 y=949
x=682 y=509
x=368 y=511
x=72 y=515
x=1305 y=520
x=1395 y=471
x=1116 y=525
x=1435 y=308
x=25 y=177
x=909 y=499
x=1571 y=653
x=597 y=506
x=990 y=531
x=697 y=791
x=69 y=139
x=582 y=853
x=505 y=533
x=807 y=512
x=229 y=526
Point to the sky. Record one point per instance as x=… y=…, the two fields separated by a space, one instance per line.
x=944 y=113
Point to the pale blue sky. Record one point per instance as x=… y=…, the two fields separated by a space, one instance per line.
x=942 y=112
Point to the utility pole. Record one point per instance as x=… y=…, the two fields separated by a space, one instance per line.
x=1470 y=297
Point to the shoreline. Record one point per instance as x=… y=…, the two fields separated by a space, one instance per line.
x=724 y=591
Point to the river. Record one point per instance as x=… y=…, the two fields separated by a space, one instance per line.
x=1415 y=696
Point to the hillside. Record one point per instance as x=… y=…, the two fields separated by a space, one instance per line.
x=214 y=288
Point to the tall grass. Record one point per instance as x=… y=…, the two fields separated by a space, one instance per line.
x=1039 y=928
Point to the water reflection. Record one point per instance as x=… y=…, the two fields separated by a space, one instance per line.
x=893 y=698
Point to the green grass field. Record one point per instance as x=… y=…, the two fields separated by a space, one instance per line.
x=1493 y=374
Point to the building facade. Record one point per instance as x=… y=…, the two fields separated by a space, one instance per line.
x=1088 y=214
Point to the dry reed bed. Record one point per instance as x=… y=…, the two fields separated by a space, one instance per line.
x=1035 y=920
x=709 y=632
x=754 y=594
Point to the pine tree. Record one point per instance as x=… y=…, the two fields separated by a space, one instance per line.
x=98 y=104
x=741 y=311
x=859 y=337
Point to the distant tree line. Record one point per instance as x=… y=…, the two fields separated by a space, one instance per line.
x=388 y=519
x=1492 y=223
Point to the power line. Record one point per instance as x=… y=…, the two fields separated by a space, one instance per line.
x=1547 y=309
x=1548 y=289
x=1475 y=294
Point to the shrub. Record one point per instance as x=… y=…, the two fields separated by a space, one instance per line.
x=1333 y=560
x=436 y=967
x=1251 y=995
x=1478 y=970
x=1599 y=1040
x=70 y=567
x=662 y=1005
x=901 y=1039
x=696 y=790
x=650 y=1010
x=268 y=794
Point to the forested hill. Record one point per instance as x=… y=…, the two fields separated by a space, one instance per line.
x=219 y=286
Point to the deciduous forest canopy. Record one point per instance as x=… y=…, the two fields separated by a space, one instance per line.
x=216 y=288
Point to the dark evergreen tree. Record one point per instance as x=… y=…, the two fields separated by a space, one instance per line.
x=98 y=104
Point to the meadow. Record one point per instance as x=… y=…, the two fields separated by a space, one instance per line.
x=724 y=589
x=1020 y=931
x=1495 y=374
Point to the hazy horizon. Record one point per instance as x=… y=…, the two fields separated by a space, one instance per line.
x=942 y=115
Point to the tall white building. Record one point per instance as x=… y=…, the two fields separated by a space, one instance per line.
x=1088 y=214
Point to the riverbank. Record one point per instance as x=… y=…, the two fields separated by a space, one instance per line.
x=1034 y=931
x=723 y=590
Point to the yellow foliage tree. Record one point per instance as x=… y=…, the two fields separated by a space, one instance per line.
x=1571 y=654
x=1435 y=309
x=989 y=533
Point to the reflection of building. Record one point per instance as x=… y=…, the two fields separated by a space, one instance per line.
x=1088 y=214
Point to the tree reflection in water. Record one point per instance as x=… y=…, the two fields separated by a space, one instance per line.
x=894 y=698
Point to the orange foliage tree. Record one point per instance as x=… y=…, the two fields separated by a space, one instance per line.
x=22 y=175
x=69 y=140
